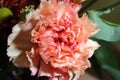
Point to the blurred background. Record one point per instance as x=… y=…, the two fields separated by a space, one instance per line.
x=113 y=16
x=105 y=62
x=113 y=47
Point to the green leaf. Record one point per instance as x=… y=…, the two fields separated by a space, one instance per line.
x=115 y=73
x=5 y=13
x=108 y=31
x=105 y=56
x=107 y=60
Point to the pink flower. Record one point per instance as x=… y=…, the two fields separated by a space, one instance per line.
x=53 y=41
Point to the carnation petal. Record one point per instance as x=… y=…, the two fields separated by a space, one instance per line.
x=34 y=59
x=90 y=47
x=49 y=71
x=19 y=41
x=89 y=26
x=53 y=41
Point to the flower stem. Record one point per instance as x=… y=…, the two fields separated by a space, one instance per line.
x=88 y=5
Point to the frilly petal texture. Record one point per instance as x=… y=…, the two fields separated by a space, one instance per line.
x=53 y=41
x=19 y=42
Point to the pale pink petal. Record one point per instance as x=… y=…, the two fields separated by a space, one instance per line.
x=34 y=60
x=48 y=70
x=90 y=47
x=53 y=41
x=18 y=44
x=89 y=26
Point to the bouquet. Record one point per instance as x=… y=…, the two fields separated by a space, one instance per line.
x=53 y=41
x=56 y=39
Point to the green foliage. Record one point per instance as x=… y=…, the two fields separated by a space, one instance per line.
x=25 y=11
x=108 y=31
x=115 y=73
x=105 y=56
x=107 y=60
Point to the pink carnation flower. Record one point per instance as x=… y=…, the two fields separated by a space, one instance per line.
x=53 y=41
